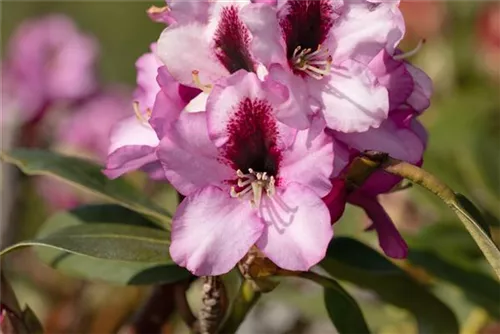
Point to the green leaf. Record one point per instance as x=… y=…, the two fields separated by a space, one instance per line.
x=473 y=212
x=112 y=271
x=351 y=260
x=343 y=310
x=478 y=228
x=86 y=175
x=107 y=241
x=478 y=288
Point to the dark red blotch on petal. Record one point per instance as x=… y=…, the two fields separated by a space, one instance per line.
x=253 y=136
x=307 y=24
x=232 y=41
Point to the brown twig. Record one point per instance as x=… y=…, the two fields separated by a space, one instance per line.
x=213 y=308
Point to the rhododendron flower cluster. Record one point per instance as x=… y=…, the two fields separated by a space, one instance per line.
x=254 y=111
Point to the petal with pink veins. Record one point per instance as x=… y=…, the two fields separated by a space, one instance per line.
x=352 y=99
x=188 y=156
x=211 y=232
x=243 y=90
x=298 y=228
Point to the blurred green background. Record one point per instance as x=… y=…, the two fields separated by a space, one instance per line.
x=462 y=57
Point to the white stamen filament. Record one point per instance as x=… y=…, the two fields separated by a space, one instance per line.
x=314 y=63
x=140 y=116
x=254 y=182
x=410 y=53
x=196 y=79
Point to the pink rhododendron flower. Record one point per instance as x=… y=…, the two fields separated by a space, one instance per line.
x=158 y=101
x=248 y=181
x=50 y=60
x=209 y=38
x=320 y=51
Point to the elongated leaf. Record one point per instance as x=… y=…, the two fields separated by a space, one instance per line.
x=342 y=309
x=112 y=271
x=344 y=312
x=479 y=288
x=107 y=241
x=86 y=175
x=478 y=228
x=115 y=272
x=351 y=260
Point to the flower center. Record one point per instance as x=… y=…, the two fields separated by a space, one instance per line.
x=305 y=26
x=252 y=185
x=313 y=63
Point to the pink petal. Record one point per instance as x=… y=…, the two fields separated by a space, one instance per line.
x=389 y=238
x=132 y=131
x=298 y=228
x=400 y=142
x=420 y=97
x=267 y=42
x=394 y=75
x=189 y=158
x=302 y=155
x=133 y=146
x=211 y=232
x=353 y=100
x=226 y=97
x=296 y=111
x=171 y=99
x=336 y=199
x=147 y=87
x=185 y=12
x=364 y=29
x=186 y=48
x=131 y=158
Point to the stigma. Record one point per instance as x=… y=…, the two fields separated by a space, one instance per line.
x=252 y=185
x=314 y=63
